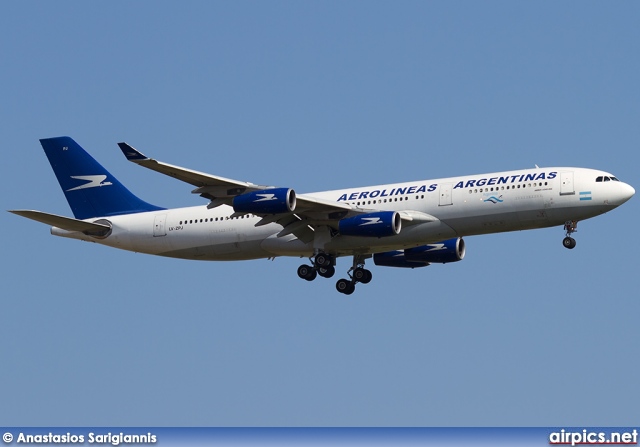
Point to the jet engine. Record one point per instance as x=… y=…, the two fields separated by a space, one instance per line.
x=451 y=250
x=380 y=224
x=266 y=201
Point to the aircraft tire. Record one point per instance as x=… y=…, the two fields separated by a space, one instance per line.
x=362 y=275
x=327 y=272
x=569 y=242
x=345 y=286
x=322 y=260
x=307 y=272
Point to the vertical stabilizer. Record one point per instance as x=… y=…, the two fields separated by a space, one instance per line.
x=89 y=188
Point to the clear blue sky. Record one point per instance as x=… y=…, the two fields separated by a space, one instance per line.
x=313 y=96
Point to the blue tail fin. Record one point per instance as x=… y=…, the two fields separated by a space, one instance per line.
x=90 y=189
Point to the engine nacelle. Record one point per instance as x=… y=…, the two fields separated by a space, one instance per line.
x=381 y=224
x=396 y=258
x=266 y=201
x=451 y=250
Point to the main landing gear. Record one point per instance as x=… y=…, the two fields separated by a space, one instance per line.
x=323 y=265
x=570 y=226
x=357 y=273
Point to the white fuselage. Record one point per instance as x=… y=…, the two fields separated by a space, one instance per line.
x=461 y=206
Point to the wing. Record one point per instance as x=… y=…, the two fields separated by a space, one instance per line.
x=220 y=189
x=310 y=212
x=209 y=186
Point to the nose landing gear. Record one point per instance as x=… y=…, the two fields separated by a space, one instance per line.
x=570 y=226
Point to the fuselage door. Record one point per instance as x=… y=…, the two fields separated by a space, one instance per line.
x=566 y=183
x=159 y=227
x=445 y=194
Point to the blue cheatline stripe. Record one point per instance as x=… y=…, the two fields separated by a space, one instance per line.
x=585 y=198
x=585 y=192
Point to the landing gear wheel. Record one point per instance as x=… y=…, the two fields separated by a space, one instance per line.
x=322 y=260
x=307 y=272
x=327 y=272
x=362 y=275
x=569 y=242
x=345 y=286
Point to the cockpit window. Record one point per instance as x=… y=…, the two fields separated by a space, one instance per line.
x=604 y=178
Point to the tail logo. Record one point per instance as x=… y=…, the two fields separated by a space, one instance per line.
x=93 y=181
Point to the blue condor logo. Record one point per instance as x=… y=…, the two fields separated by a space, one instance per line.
x=362 y=195
x=508 y=179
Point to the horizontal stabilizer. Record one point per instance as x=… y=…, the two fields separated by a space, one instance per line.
x=66 y=223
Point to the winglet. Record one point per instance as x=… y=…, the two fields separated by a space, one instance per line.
x=131 y=153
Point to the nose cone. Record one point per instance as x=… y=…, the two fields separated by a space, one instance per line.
x=623 y=193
